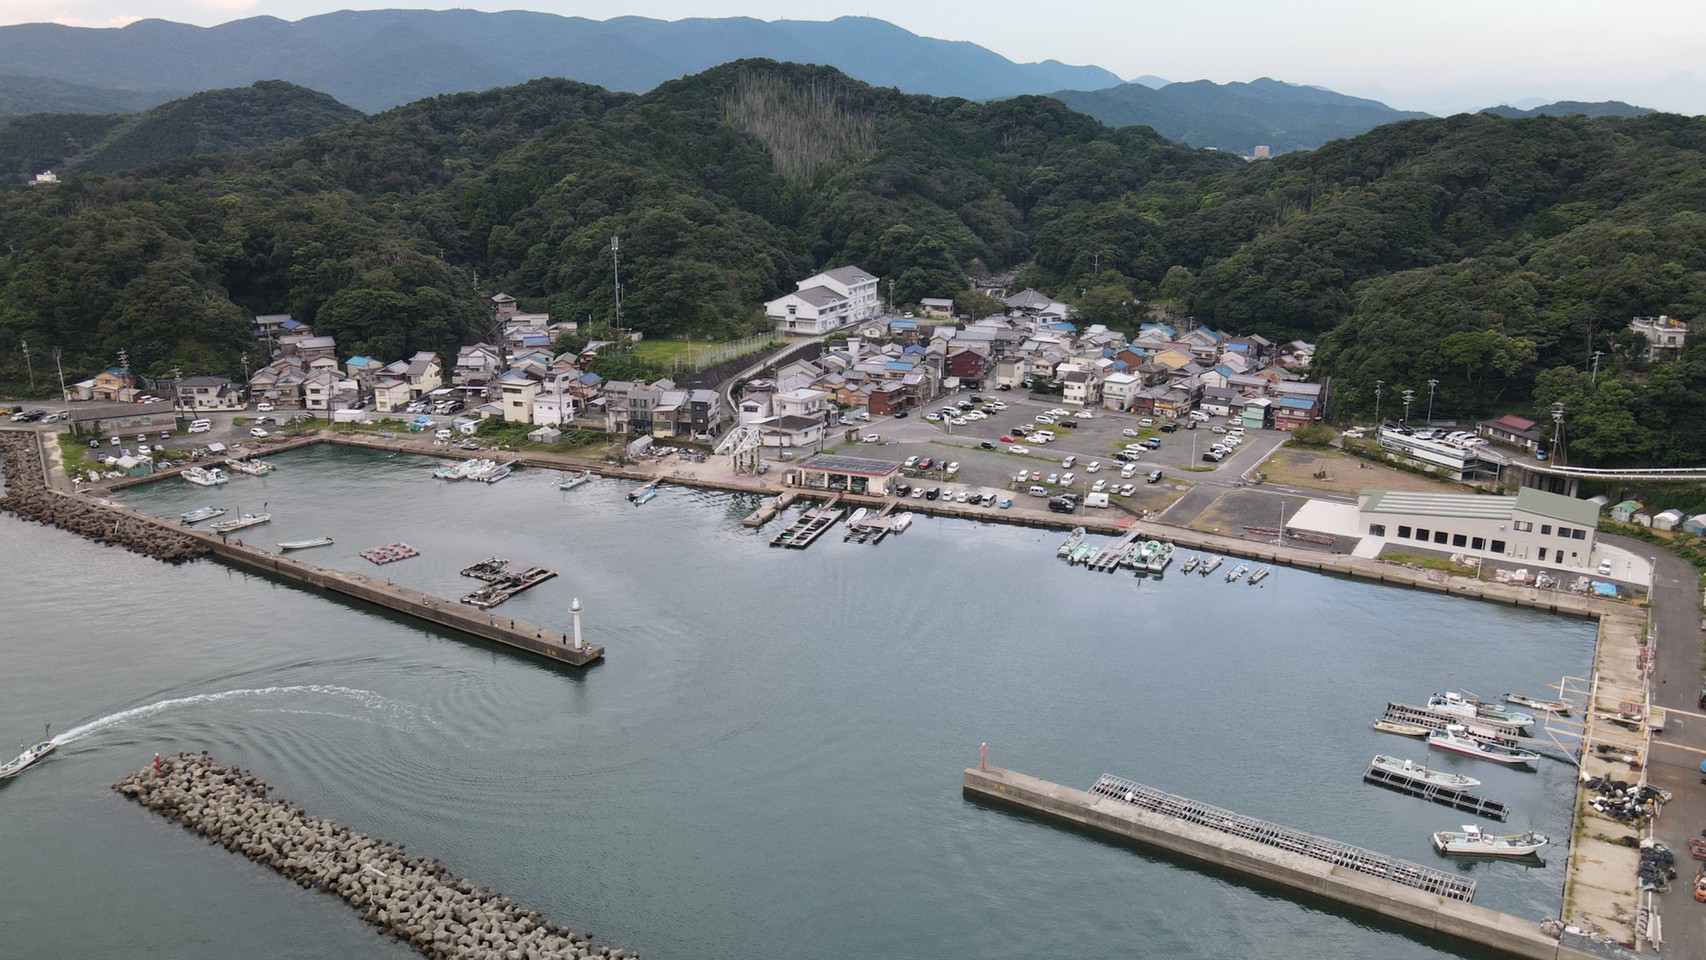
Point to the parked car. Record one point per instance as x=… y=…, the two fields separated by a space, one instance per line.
x=264 y=407
x=1068 y=461
x=1129 y=432
x=1085 y=415
x=1093 y=466
x=932 y=493
x=1169 y=427
x=1098 y=486
x=1146 y=422
x=962 y=496
x=926 y=463
x=871 y=438
x=258 y=433
x=987 y=445
x=1053 y=479
x=1067 y=478
x=1154 y=476
x=952 y=467
x=1219 y=429
x=1153 y=443
x=1605 y=568
x=910 y=462
x=1015 y=448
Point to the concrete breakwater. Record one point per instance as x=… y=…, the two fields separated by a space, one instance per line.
x=29 y=497
x=412 y=899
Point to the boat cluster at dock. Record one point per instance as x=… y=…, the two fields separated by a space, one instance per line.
x=503 y=580
x=1146 y=557
x=1459 y=723
x=482 y=469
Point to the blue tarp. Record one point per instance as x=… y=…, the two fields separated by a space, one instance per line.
x=1604 y=589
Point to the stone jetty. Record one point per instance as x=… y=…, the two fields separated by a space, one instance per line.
x=411 y=899
x=29 y=497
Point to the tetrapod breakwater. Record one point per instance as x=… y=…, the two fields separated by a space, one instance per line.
x=412 y=899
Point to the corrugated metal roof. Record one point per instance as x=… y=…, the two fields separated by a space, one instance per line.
x=1558 y=507
x=1459 y=505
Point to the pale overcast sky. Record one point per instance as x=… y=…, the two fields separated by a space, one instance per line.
x=1440 y=56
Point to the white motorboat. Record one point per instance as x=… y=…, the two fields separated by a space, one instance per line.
x=1461 y=705
x=857 y=516
x=1415 y=771
x=1191 y=563
x=305 y=544
x=1210 y=565
x=206 y=476
x=202 y=513
x=1260 y=574
x=1399 y=728
x=902 y=522
x=246 y=520
x=1471 y=841
x=1157 y=559
x=27 y=758
x=572 y=482
x=254 y=468
x=1237 y=572
x=1534 y=703
x=1455 y=738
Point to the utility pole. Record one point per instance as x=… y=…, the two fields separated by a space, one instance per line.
x=1409 y=395
x=1096 y=268
x=1378 y=384
x=64 y=395
x=27 y=364
x=1431 y=385
x=1558 y=431
x=616 y=279
x=891 y=297
x=1596 y=355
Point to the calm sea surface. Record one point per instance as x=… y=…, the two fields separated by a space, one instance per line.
x=767 y=765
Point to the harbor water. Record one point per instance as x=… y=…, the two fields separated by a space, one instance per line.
x=767 y=764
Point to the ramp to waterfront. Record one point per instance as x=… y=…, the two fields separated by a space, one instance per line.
x=1422 y=897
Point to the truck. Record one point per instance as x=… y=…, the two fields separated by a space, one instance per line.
x=1095 y=500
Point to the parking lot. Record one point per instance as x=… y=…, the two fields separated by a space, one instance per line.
x=1097 y=439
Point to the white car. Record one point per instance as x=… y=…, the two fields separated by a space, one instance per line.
x=1128 y=489
x=1098 y=486
x=1128 y=471
x=1053 y=479
x=999 y=405
x=952 y=467
x=1043 y=418
x=1605 y=568
x=910 y=462
x=1093 y=466
x=1066 y=478
x=1085 y=415
x=1023 y=476
x=258 y=433
x=1015 y=448
x=1128 y=432
x=1219 y=429
x=962 y=496
x=1146 y=422
x=264 y=407
x=871 y=438
x=1135 y=448
x=959 y=421
x=1060 y=412
x=1040 y=437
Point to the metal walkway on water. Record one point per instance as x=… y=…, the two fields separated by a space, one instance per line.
x=1503 y=734
x=1344 y=855
x=1437 y=793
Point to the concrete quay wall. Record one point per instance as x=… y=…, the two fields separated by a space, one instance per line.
x=1394 y=901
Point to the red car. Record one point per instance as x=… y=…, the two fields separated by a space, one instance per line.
x=1006 y=439
x=926 y=463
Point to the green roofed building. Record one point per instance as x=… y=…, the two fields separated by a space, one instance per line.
x=1534 y=526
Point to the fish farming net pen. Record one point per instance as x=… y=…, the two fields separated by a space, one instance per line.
x=1285 y=838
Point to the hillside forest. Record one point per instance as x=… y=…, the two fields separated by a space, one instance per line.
x=1495 y=255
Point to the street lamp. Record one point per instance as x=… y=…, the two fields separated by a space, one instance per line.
x=1431 y=385
x=1409 y=395
x=1378 y=384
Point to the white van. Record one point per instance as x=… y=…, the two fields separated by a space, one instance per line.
x=442 y=433
x=200 y=426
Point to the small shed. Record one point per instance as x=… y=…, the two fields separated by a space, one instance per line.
x=1642 y=519
x=467 y=426
x=1668 y=519
x=1625 y=512
x=135 y=466
x=545 y=434
x=1695 y=525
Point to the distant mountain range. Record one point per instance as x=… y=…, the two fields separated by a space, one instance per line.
x=378 y=59
x=266 y=114
x=1236 y=117
x=1568 y=108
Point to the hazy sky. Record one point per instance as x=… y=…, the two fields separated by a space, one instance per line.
x=1440 y=56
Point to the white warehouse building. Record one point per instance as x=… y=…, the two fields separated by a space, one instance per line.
x=1533 y=526
x=826 y=301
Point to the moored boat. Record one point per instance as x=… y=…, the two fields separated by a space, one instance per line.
x=1455 y=738
x=1471 y=841
x=1535 y=703
x=572 y=482
x=644 y=495
x=27 y=758
x=1398 y=728
x=1260 y=574
x=1156 y=560
x=1416 y=771
x=1071 y=542
x=857 y=516
x=206 y=476
x=493 y=475
x=1462 y=705
x=1237 y=572
x=305 y=544
x=254 y=468
x=246 y=520
x=202 y=513
x=1191 y=563
x=902 y=522
x=1209 y=566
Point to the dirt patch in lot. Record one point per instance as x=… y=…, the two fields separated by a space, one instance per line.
x=1343 y=473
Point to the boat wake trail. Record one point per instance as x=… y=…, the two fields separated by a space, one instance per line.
x=396 y=709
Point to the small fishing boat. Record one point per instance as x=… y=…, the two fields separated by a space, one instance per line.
x=572 y=482
x=1209 y=566
x=305 y=544
x=1416 y=771
x=494 y=475
x=857 y=516
x=902 y=522
x=246 y=520
x=450 y=470
x=1398 y=728
x=1071 y=542
x=27 y=758
x=1237 y=572
x=206 y=476
x=1470 y=841
x=1191 y=563
x=1455 y=738
x=254 y=468
x=1081 y=553
x=1462 y=705
x=1260 y=574
x=201 y=513
x=1534 y=703
x=1157 y=559
x=644 y=495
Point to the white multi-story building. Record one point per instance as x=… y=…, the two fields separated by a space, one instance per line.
x=1665 y=336
x=828 y=300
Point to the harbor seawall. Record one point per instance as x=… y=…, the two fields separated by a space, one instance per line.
x=1436 y=914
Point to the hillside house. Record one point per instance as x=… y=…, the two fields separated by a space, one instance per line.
x=1665 y=338
x=209 y=393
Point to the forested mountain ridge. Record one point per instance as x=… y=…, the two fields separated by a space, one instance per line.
x=378 y=59
x=1492 y=254
x=267 y=113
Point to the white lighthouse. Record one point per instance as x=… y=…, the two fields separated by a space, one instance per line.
x=575 y=610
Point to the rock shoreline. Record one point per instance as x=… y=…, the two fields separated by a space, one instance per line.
x=414 y=900
x=28 y=497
